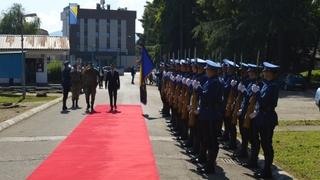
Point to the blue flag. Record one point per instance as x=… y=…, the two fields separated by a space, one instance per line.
x=146 y=64
x=146 y=67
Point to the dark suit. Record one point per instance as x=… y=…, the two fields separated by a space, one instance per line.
x=113 y=84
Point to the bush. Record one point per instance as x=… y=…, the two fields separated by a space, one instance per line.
x=54 y=72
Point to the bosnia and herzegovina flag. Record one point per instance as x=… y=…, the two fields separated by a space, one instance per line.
x=146 y=67
x=73 y=14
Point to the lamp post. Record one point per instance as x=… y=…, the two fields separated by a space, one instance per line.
x=23 y=76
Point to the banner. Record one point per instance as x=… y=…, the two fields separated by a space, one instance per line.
x=73 y=14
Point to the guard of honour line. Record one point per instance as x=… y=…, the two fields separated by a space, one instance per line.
x=200 y=97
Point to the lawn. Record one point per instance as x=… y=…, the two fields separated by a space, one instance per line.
x=14 y=98
x=298 y=153
x=299 y=123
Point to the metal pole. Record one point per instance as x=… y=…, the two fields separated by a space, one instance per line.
x=23 y=75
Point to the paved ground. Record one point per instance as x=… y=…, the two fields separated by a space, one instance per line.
x=295 y=105
x=25 y=145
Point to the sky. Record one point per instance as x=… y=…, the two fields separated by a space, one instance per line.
x=49 y=10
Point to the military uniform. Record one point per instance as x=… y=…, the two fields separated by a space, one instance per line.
x=265 y=119
x=209 y=114
x=230 y=94
x=90 y=82
x=76 y=86
x=66 y=84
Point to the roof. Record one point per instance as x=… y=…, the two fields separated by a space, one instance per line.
x=34 y=42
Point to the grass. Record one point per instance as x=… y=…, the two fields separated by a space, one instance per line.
x=14 y=98
x=299 y=123
x=298 y=153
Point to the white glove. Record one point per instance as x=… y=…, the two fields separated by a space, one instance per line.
x=233 y=83
x=255 y=88
x=253 y=115
x=241 y=87
x=183 y=80
x=196 y=111
x=239 y=112
x=194 y=84
x=188 y=82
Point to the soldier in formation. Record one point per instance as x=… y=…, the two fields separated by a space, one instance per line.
x=202 y=96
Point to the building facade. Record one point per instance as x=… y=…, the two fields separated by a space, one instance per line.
x=39 y=51
x=102 y=36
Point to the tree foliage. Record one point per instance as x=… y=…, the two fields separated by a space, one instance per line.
x=11 y=21
x=283 y=31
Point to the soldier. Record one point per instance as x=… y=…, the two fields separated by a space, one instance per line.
x=265 y=118
x=90 y=83
x=244 y=124
x=209 y=113
x=76 y=85
x=164 y=87
x=194 y=118
x=66 y=84
x=229 y=97
x=237 y=100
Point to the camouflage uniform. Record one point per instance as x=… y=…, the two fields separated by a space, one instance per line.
x=75 y=87
x=90 y=79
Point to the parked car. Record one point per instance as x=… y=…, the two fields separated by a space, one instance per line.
x=293 y=81
x=317 y=98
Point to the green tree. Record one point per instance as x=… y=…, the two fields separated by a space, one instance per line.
x=10 y=22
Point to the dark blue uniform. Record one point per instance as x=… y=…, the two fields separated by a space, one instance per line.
x=265 y=121
x=209 y=115
x=66 y=85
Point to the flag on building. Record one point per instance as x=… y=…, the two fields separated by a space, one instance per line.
x=73 y=14
x=146 y=67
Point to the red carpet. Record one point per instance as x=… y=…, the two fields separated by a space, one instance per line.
x=104 y=146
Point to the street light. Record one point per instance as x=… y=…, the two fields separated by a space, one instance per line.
x=23 y=78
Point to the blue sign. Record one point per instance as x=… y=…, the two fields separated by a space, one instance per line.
x=10 y=65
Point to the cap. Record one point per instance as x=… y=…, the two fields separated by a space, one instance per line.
x=66 y=62
x=270 y=67
x=244 y=65
x=201 y=62
x=230 y=63
x=252 y=67
x=212 y=65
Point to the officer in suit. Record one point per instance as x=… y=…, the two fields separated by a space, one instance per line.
x=66 y=84
x=210 y=112
x=76 y=85
x=113 y=84
x=265 y=118
x=90 y=83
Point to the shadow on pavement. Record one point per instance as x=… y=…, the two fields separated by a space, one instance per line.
x=149 y=118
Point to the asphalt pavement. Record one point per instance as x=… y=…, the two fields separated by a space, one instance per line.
x=25 y=145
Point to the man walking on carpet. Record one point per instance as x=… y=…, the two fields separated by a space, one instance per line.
x=113 y=84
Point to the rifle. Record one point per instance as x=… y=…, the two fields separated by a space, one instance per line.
x=237 y=104
x=252 y=102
